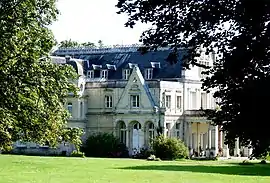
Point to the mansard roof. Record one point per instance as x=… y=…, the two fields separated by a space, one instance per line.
x=117 y=59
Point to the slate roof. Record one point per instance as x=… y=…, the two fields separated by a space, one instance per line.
x=117 y=59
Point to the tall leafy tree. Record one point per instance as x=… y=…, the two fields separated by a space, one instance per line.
x=240 y=32
x=32 y=90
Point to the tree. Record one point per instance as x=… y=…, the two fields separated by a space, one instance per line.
x=100 y=44
x=32 y=90
x=88 y=44
x=74 y=44
x=69 y=44
x=240 y=32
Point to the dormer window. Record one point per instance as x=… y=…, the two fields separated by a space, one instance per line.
x=104 y=74
x=126 y=74
x=155 y=65
x=149 y=73
x=90 y=74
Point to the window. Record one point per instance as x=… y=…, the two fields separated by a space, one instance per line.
x=90 y=74
x=135 y=101
x=177 y=127
x=126 y=74
x=204 y=100
x=69 y=107
x=178 y=102
x=108 y=101
x=168 y=129
x=104 y=74
x=81 y=110
x=193 y=100
x=151 y=133
x=122 y=134
x=148 y=73
x=168 y=101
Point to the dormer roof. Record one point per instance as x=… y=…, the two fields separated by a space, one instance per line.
x=118 y=59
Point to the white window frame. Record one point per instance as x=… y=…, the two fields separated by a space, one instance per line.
x=108 y=101
x=90 y=74
x=136 y=102
x=104 y=74
x=126 y=74
x=179 y=102
x=168 y=101
x=149 y=73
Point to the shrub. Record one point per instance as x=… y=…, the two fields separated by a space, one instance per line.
x=169 y=148
x=104 y=145
x=77 y=154
x=263 y=162
x=144 y=153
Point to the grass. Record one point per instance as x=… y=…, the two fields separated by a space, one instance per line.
x=23 y=169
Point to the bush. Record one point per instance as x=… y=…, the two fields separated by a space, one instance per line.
x=104 y=145
x=169 y=148
x=144 y=153
x=263 y=162
x=77 y=154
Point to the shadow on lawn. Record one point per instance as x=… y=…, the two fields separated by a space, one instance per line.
x=251 y=170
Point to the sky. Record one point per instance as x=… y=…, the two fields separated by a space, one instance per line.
x=93 y=20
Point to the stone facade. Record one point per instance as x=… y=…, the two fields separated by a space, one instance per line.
x=132 y=101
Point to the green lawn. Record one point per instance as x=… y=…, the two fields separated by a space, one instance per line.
x=23 y=169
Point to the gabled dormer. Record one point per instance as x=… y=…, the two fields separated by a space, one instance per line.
x=90 y=74
x=97 y=70
x=104 y=73
x=148 y=73
x=126 y=73
x=155 y=65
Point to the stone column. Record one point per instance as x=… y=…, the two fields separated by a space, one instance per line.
x=127 y=137
x=216 y=140
x=190 y=135
x=198 y=97
x=209 y=137
x=250 y=152
x=221 y=143
x=237 y=148
x=227 y=152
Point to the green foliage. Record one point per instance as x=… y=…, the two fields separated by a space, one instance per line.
x=169 y=148
x=263 y=162
x=74 y=44
x=104 y=145
x=72 y=135
x=77 y=154
x=32 y=90
x=144 y=153
x=239 y=33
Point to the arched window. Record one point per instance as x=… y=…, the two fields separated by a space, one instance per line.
x=137 y=126
x=69 y=107
x=81 y=110
x=151 y=132
x=122 y=132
